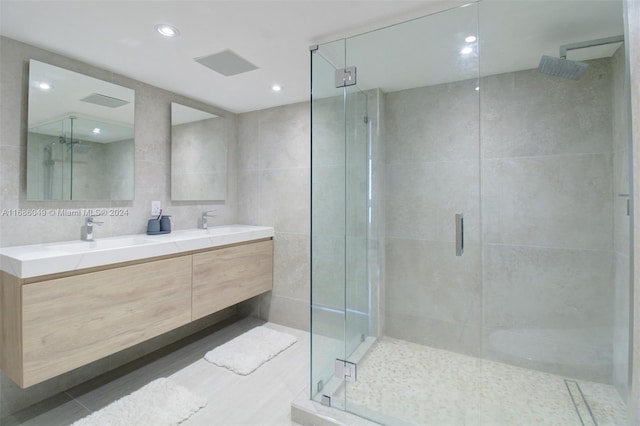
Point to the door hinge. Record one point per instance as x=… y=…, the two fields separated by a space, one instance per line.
x=345 y=77
x=346 y=370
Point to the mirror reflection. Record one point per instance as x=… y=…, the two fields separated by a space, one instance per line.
x=80 y=141
x=198 y=155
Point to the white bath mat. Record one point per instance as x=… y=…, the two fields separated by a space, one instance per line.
x=159 y=403
x=250 y=350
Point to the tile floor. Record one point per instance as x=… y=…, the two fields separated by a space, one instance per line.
x=261 y=398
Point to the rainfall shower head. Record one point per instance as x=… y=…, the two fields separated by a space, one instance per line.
x=562 y=67
x=77 y=146
x=64 y=141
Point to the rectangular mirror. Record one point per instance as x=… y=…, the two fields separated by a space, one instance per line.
x=80 y=137
x=198 y=155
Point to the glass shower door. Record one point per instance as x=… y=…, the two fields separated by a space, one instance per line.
x=423 y=369
x=428 y=180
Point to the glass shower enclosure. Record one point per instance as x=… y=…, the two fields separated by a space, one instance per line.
x=471 y=217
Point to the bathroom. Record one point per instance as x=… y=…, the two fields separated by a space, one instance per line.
x=268 y=183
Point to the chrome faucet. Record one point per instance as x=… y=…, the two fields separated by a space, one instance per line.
x=205 y=215
x=87 y=229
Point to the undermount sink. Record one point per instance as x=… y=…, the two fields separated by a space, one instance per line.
x=50 y=258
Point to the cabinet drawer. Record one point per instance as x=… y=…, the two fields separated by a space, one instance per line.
x=224 y=277
x=69 y=322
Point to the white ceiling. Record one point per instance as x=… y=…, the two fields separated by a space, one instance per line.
x=275 y=35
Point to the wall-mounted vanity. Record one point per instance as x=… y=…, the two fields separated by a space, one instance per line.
x=64 y=305
x=67 y=304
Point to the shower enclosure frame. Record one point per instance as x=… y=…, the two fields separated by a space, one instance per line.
x=376 y=269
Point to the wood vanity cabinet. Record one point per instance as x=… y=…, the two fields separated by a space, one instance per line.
x=224 y=277
x=54 y=324
x=71 y=321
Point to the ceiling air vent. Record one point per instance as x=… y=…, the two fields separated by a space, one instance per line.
x=104 y=100
x=227 y=63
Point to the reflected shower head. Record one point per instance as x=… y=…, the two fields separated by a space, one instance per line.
x=562 y=67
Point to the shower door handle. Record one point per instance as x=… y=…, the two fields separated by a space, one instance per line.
x=459 y=234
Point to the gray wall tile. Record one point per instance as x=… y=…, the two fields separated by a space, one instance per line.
x=547 y=173
x=435 y=123
x=633 y=22
x=550 y=201
x=423 y=198
x=273 y=190
x=528 y=113
x=427 y=278
x=621 y=223
x=534 y=287
x=291 y=265
x=248 y=142
x=284 y=200
x=283 y=137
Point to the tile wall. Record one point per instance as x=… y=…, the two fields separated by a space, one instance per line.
x=547 y=179
x=621 y=235
x=432 y=169
x=273 y=190
x=633 y=46
x=545 y=271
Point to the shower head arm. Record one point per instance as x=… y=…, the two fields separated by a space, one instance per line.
x=589 y=43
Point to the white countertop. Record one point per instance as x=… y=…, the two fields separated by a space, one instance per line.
x=49 y=258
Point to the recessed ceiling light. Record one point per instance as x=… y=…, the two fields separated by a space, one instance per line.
x=477 y=88
x=466 y=50
x=44 y=86
x=470 y=39
x=96 y=131
x=276 y=88
x=167 y=30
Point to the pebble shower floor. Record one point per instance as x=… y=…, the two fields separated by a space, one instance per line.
x=428 y=386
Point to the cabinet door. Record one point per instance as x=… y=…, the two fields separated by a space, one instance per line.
x=227 y=276
x=71 y=321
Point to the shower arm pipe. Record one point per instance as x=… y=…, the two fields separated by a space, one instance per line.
x=589 y=43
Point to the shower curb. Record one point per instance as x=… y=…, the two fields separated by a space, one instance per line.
x=306 y=412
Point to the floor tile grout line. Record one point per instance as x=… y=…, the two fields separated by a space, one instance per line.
x=78 y=402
